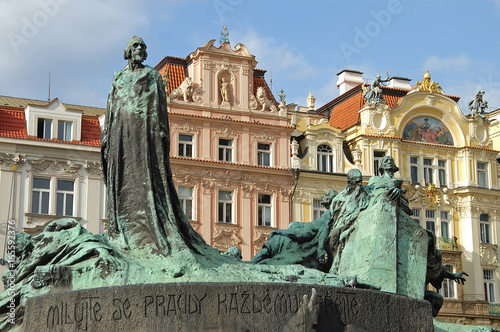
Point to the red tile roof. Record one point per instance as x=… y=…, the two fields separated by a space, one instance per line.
x=12 y=124
x=344 y=110
x=258 y=81
x=175 y=69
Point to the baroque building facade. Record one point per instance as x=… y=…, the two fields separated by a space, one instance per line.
x=230 y=151
x=447 y=159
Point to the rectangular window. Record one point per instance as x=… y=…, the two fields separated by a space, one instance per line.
x=318 y=208
x=225 y=206
x=428 y=171
x=414 y=169
x=265 y=209
x=264 y=154
x=186 y=146
x=442 y=173
x=482 y=175
x=485 y=228
x=64 y=130
x=377 y=157
x=416 y=215
x=40 y=196
x=65 y=195
x=225 y=150
x=445 y=225
x=489 y=285
x=448 y=287
x=44 y=129
x=186 y=198
x=430 y=220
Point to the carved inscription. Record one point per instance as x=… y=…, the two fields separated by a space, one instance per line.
x=247 y=303
x=87 y=313
x=79 y=313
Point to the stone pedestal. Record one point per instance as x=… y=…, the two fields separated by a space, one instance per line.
x=387 y=249
x=222 y=307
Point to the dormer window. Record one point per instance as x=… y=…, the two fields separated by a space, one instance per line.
x=64 y=130
x=44 y=129
x=54 y=121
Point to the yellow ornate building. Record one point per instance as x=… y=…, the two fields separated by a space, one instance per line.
x=447 y=159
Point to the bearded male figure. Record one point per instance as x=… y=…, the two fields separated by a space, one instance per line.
x=143 y=207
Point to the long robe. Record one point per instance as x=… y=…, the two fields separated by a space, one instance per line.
x=143 y=207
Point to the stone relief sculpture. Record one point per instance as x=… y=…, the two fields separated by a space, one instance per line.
x=253 y=104
x=185 y=90
x=263 y=101
x=198 y=93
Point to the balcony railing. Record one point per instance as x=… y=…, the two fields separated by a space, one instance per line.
x=494 y=309
x=445 y=243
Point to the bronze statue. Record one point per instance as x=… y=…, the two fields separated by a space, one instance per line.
x=143 y=207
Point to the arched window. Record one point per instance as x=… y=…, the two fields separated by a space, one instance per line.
x=325 y=158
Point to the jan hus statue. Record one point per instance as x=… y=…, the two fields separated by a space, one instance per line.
x=144 y=210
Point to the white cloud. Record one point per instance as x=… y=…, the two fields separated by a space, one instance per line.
x=458 y=63
x=280 y=57
x=64 y=36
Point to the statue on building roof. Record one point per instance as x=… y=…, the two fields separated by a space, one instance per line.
x=478 y=106
x=373 y=93
x=224 y=35
x=428 y=85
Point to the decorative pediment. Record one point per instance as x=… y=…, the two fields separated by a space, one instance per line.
x=186 y=127
x=261 y=234
x=226 y=236
x=51 y=167
x=226 y=130
x=265 y=135
x=479 y=132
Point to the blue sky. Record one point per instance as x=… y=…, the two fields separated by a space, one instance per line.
x=303 y=44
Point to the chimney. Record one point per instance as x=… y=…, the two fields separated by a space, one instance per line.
x=348 y=79
x=399 y=83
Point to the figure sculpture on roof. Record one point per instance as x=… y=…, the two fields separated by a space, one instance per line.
x=185 y=90
x=478 y=106
x=144 y=210
x=428 y=85
x=264 y=101
x=373 y=93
